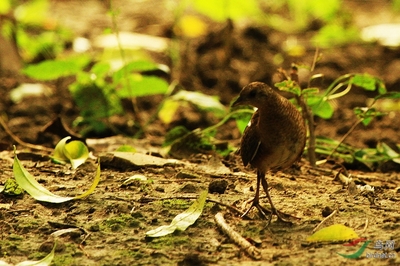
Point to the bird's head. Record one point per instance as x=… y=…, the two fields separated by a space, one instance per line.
x=256 y=94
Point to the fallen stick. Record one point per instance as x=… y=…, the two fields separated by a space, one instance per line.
x=251 y=250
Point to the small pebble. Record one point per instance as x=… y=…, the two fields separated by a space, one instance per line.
x=218 y=186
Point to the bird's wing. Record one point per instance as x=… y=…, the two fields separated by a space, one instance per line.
x=250 y=141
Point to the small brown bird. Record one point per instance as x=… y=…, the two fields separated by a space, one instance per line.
x=274 y=139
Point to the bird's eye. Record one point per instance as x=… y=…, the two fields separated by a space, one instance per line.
x=252 y=94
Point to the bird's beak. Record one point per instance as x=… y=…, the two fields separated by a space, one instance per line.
x=238 y=101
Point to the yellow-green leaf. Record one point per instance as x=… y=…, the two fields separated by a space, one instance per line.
x=5 y=6
x=93 y=186
x=333 y=233
x=182 y=220
x=28 y=182
x=59 y=155
x=192 y=26
x=168 y=109
x=126 y=148
x=74 y=152
x=202 y=101
x=77 y=153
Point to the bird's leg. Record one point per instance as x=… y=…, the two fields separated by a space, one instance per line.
x=256 y=201
x=273 y=209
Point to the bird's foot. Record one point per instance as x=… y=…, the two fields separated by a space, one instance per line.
x=267 y=214
x=263 y=212
x=285 y=220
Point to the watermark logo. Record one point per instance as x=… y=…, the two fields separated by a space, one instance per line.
x=383 y=249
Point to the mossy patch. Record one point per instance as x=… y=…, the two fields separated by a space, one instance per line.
x=175 y=203
x=119 y=222
x=169 y=242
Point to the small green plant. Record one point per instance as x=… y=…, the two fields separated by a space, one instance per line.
x=98 y=93
x=371 y=158
x=99 y=87
x=313 y=103
x=181 y=142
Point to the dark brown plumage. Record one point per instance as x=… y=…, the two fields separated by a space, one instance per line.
x=275 y=137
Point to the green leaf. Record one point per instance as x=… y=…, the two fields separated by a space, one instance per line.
x=333 y=233
x=59 y=155
x=381 y=87
x=324 y=109
x=136 y=66
x=54 y=69
x=142 y=85
x=32 y=12
x=367 y=114
x=372 y=156
x=335 y=34
x=5 y=6
x=289 y=86
x=310 y=91
x=242 y=118
x=368 y=82
x=389 y=95
x=396 y=160
x=326 y=146
x=204 y=102
x=26 y=181
x=369 y=155
x=367 y=121
x=32 y=187
x=101 y=69
x=93 y=186
x=168 y=110
x=182 y=220
x=364 y=81
x=385 y=149
x=126 y=148
x=74 y=152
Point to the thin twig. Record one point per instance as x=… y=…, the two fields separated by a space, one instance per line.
x=353 y=127
x=115 y=29
x=251 y=250
x=314 y=62
x=344 y=137
x=324 y=220
x=365 y=227
x=82 y=245
x=309 y=117
x=21 y=142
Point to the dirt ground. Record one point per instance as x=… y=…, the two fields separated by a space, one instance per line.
x=114 y=219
